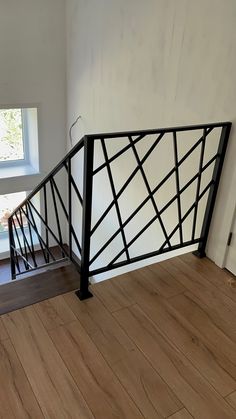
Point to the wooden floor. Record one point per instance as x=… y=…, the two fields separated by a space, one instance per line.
x=159 y=342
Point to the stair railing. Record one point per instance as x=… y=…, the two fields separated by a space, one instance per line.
x=28 y=222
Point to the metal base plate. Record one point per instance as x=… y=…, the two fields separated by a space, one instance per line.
x=83 y=295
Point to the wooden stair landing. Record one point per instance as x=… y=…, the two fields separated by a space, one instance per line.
x=24 y=292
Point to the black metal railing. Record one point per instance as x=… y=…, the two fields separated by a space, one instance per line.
x=68 y=218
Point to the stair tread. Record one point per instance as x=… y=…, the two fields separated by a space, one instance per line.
x=21 y=293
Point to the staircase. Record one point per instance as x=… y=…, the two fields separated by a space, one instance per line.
x=61 y=210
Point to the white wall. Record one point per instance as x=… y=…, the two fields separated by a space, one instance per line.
x=136 y=65
x=32 y=72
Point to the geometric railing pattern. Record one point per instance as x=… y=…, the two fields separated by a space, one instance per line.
x=176 y=193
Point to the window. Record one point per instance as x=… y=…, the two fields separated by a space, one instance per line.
x=12 y=145
x=18 y=142
x=19 y=156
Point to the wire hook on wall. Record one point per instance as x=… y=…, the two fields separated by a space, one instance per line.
x=70 y=130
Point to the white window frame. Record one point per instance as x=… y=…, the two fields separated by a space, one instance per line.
x=30 y=163
x=25 y=140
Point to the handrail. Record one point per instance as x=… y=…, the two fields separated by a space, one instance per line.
x=54 y=171
x=25 y=219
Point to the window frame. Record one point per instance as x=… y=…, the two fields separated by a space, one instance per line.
x=25 y=140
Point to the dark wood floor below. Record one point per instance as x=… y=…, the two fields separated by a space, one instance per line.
x=159 y=342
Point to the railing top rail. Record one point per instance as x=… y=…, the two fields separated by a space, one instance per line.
x=70 y=154
x=158 y=130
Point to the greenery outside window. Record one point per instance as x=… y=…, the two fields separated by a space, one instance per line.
x=18 y=142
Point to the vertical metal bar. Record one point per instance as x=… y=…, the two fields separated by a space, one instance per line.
x=213 y=190
x=84 y=292
x=31 y=236
x=19 y=243
x=199 y=183
x=23 y=233
x=46 y=217
x=69 y=208
x=11 y=243
x=177 y=186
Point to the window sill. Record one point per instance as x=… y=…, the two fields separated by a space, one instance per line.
x=17 y=171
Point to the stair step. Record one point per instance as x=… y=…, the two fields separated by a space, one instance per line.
x=24 y=292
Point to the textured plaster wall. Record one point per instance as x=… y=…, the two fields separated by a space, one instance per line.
x=136 y=65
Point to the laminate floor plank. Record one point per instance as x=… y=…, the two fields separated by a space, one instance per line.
x=196 y=394
x=221 y=347
x=151 y=394
x=184 y=336
x=220 y=278
x=55 y=390
x=54 y=312
x=3 y=332
x=97 y=382
x=221 y=307
x=166 y=285
x=182 y=414
x=231 y=399
x=107 y=293
x=17 y=400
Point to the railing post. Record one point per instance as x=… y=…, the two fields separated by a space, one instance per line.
x=84 y=292
x=11 y=242
x=200 y=252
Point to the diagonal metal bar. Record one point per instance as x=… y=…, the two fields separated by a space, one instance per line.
x=46 y=265
x=152 y=221
x=26 y=243
x=109 y=172
x=127 y=182
x=20 y=223
x=66 y=215
x=56 y=214
x=42 y=243
x=18 y=239
x=199 y=183
x=49 y=229
x=189 y=211
x=146 y=200
x=13 y=254
x=118 y=154
x=30 y=217
x=74 y=185
x=148 y=189
x=187 y=185
x=31 y=236
x=177 y=185
x=160 y=184
x=26 y=262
